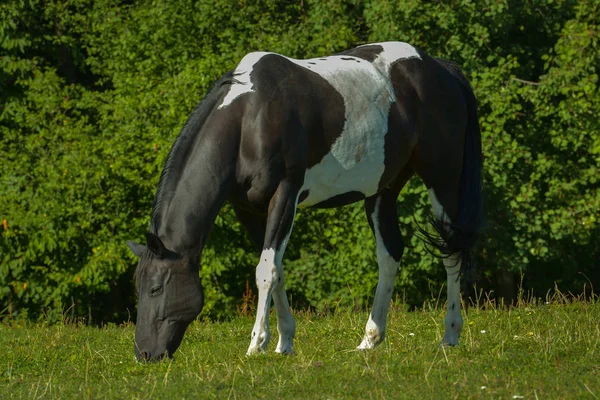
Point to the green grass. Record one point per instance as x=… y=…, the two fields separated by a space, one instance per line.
x=535 y=351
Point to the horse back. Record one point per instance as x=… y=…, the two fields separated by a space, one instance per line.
x=338 y=124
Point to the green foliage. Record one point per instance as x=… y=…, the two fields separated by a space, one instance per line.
x=93 y=94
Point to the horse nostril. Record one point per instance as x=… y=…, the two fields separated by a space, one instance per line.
x=145 y=355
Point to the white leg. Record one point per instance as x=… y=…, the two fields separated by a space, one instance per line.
x=453 y=320
x=270 y=282
x=388 y=268
x=267 y=276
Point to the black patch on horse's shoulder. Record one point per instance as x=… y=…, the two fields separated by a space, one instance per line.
x=313 y=63
x=341 y=200
x=301 y=100
x=347 y=58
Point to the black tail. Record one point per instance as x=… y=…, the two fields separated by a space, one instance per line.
x=461 y=234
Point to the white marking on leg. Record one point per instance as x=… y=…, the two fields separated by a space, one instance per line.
x=453 y=319
x=388 y=268
x=270 y=281
x=266 y=279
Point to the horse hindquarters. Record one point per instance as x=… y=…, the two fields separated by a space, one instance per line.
x=454 y=180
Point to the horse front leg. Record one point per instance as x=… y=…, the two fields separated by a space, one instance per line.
x=266 y=280
x=269 y=273
x=286 y=326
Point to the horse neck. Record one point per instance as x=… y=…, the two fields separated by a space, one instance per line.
x=203 y=185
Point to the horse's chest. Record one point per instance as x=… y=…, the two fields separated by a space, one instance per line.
x=355 y=162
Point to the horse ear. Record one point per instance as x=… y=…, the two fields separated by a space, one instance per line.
x=136 y=248
x=156 y=245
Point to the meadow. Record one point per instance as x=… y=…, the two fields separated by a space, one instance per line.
x=540 y=349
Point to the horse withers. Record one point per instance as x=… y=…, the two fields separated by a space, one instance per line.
x=278 y=134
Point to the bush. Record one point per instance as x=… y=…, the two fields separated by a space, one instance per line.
x=94 y=93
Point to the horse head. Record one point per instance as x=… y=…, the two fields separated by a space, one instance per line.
x=170 y=297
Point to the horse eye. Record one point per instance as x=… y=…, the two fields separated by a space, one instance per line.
x=156 y=290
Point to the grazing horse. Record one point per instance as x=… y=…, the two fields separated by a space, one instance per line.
x=278 y=134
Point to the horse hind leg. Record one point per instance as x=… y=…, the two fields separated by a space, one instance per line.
x=286 y=326
x=381 y=212
x=452 y=263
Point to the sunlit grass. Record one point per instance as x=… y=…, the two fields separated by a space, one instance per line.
x=539 y=349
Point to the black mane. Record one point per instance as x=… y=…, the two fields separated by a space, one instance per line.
x=179 y=152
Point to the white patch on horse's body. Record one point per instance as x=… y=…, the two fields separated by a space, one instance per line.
x=453 y=319
x=355 y=162
x=392 y=52
x=243 y=84
x=388 y=269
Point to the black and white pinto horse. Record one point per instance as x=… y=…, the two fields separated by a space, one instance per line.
x=278 y=134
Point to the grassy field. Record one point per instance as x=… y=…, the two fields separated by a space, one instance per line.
x=534 y=351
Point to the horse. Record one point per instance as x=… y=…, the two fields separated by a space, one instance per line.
x=277 y=134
